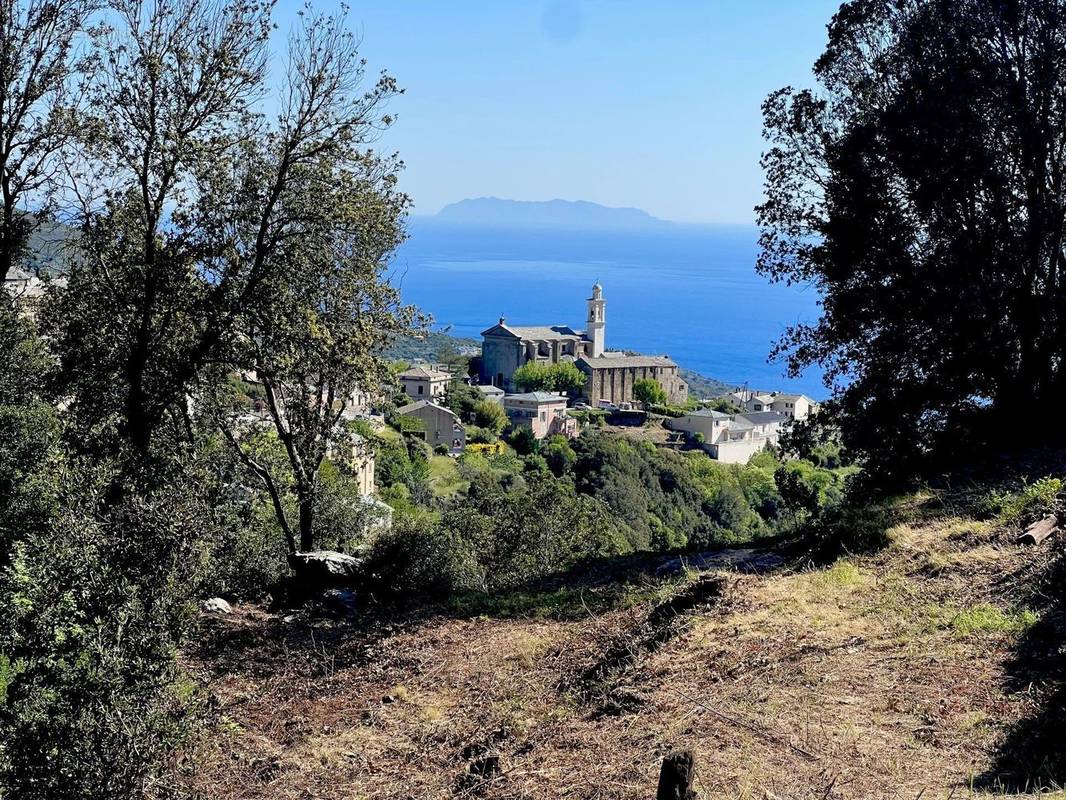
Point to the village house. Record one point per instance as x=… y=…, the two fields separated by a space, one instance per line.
x=795 y=406
x=732 y=438
x=543 y=412
x=357 y=454
x=442 y=426
x=424 y=383
x=610 y=375
x=494 y=394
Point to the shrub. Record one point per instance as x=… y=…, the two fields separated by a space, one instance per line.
x=476 y=435
x=499 y=538
x=523 y=441
x=490 y=416
x=1033 y=502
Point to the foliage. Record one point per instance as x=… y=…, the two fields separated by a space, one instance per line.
x=1033 y=502
x=561 y=377
x=497 y=538
x=97 y=603
x=928 y=215
x=407 y=423
x=523 y=440
x=37 y=92
x=558 y=454
x=649 y=392
x=462 y=399
x=491 y=416
x=480 y=436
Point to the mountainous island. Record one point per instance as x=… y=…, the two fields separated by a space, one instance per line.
x=545 y=213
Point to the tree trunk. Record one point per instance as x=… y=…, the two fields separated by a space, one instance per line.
x=307 y=520
x=676 y=777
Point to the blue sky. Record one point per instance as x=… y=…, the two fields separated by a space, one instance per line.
x=621 y=102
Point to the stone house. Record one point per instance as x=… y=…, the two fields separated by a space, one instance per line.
x=609 y=375
x=424 y=383
x=543 y=412
x=442 y=425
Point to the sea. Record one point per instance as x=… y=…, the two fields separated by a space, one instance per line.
x=688 y=291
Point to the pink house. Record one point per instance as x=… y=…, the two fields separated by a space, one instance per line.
x=544 y=412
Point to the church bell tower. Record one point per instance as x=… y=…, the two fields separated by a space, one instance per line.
x=596 y=321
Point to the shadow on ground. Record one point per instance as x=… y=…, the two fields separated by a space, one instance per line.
x=342 y=629
x=1032 y=756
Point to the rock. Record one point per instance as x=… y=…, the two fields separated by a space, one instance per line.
x=340 y=601
x=216 y=605
x=326 y=566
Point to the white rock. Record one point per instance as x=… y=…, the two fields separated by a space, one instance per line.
x=216 y=605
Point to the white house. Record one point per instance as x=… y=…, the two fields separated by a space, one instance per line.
x=424 y=383
x=732 y=438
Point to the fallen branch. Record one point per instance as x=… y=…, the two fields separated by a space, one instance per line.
x=1039 y=531
x=763 y=734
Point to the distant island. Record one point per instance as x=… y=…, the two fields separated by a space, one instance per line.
x=498 y=212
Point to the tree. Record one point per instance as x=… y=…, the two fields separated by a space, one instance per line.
x=318 y=324
x=38 y=59
x=532 y=377
x=194 y=203
x=491 y=416
x=649 y=392
x=917 y=189
x=562 y=377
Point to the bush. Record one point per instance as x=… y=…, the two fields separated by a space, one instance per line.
x=476 y=435
x=491 y=416
x=95 y=607
x=649 y=392
x=497 y=539
x=1033 y=502
x=523 y=441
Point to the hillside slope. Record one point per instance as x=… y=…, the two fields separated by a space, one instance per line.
x=920 y=670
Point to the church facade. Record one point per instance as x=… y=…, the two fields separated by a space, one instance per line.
x=609 y=375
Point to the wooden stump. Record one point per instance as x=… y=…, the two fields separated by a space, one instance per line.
x=676 y=777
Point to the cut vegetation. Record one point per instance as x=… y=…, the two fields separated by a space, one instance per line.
x=929 y=667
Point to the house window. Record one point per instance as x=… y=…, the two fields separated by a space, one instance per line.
x=421 y=389
x=543 y=416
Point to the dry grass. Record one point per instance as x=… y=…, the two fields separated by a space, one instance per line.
x=881 y=676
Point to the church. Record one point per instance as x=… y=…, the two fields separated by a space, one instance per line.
x=610 y=375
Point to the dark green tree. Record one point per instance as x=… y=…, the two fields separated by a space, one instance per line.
x=919 y=189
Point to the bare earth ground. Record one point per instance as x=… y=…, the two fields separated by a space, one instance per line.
x=899 y=674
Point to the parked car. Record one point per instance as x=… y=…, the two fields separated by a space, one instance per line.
x=581 y=406
x=606 y=405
